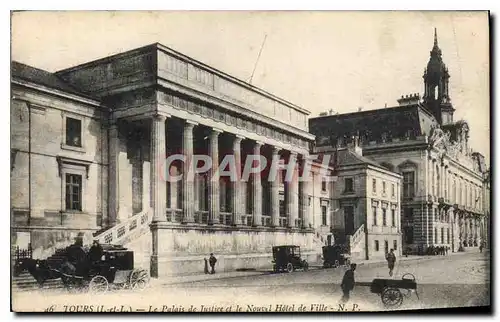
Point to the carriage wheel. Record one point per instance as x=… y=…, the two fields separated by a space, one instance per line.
x=98 y=285
x=289 y=267
x=139 y=279
x=392 y=297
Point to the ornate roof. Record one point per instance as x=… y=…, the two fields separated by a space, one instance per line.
x=372 y=125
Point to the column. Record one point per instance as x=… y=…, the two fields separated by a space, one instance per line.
x=304 y=192
x=275 y=204
x=292 y=189
x=236 y=193
x=188 y=173
x=157 y=157
x=213 y=184
x=257 y=189
x=113 y=174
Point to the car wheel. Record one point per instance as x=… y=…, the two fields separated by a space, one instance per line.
x=305 y=266
x=289 y=267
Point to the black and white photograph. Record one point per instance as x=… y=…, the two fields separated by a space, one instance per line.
x=250 y=161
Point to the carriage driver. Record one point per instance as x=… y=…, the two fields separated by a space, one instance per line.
x=95 y=252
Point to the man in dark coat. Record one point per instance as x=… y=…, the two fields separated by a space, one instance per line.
x=212 y=260
x=95 y=252
x=347 y=284
x=391 y=260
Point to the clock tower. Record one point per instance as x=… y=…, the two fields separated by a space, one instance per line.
x=436 y=79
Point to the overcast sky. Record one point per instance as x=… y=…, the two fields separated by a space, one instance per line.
x=317 y=60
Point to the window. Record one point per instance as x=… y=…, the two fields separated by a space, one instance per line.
x=393 y=217
x=383 y=187
x=435 y=235
x=374 y=214
x=73 y=132
x=409 y=184
x=395 y=245
x=349 y=186
x=323 y=184
x=374 y=185
x=386 y=246
x=442 y=235
x=377 y=248
x=384 y=217
x=323 y=215
x=453 y=191
x=408 y=235
x=393 y=190
x=447 y=235
x=73 y=192
x=408 y=214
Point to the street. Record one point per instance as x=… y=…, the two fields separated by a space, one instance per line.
x=443 y=281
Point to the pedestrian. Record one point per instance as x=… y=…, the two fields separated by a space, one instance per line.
x=206 y=265
x=481 y=247
x=347 y=284
x=212 y=260
x=95 y=252
x=391 y=259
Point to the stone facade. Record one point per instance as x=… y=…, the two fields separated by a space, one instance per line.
x=442 y=178
x=131 y=112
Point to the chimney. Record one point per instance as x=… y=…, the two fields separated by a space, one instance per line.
x=354 y=145
x=410 y=99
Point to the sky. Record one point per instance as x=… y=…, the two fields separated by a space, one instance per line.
x=319 y=60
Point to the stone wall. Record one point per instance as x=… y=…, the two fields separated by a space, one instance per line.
x=181 y=250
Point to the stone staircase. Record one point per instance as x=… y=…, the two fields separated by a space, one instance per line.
x=357 y=244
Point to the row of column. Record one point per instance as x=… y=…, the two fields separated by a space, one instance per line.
x=297 y=201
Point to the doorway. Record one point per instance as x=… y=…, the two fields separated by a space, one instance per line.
x=349 y=220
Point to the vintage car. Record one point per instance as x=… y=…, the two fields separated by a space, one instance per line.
x=287 y=258
x=335 y=256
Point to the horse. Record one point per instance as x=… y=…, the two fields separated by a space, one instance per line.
x=39 y=269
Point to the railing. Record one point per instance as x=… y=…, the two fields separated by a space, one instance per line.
x=173 y=215
x=226 y=218
x=266 y=221
x=20 y=253
x=355 y=238
x=118 y=233
x=201 y=217
x=283 y=221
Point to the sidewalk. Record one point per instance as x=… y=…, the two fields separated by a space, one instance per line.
x=173 y=280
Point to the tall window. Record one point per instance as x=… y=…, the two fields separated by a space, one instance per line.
x=323 y=215
x=73 y=132
x=386 y=246
x=395 y=245
x=349 y=186
x=323 y=184
x=442 y=235
x=73 y=192
x=409 y=184
x=393 y=217
x=383 y=187
x=393 y=190
x=454 y=190
x=374 y=185
x=384 y=217
x=447 y=235
x=374 y=214
x=377 y=247
x=435 y=235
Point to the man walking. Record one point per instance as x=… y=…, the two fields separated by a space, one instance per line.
x=347 y=284
x=391 y=260
x=212 y=260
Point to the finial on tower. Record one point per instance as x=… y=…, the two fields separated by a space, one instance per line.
x=435 y=37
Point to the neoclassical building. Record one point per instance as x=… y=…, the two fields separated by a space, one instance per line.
x=367 y=202
x=443 y=198
x=89 y=149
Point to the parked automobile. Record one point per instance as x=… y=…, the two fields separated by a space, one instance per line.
x=287 y=258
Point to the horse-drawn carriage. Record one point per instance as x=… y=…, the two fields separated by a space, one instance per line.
x=392 y=291
x=78 y=270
